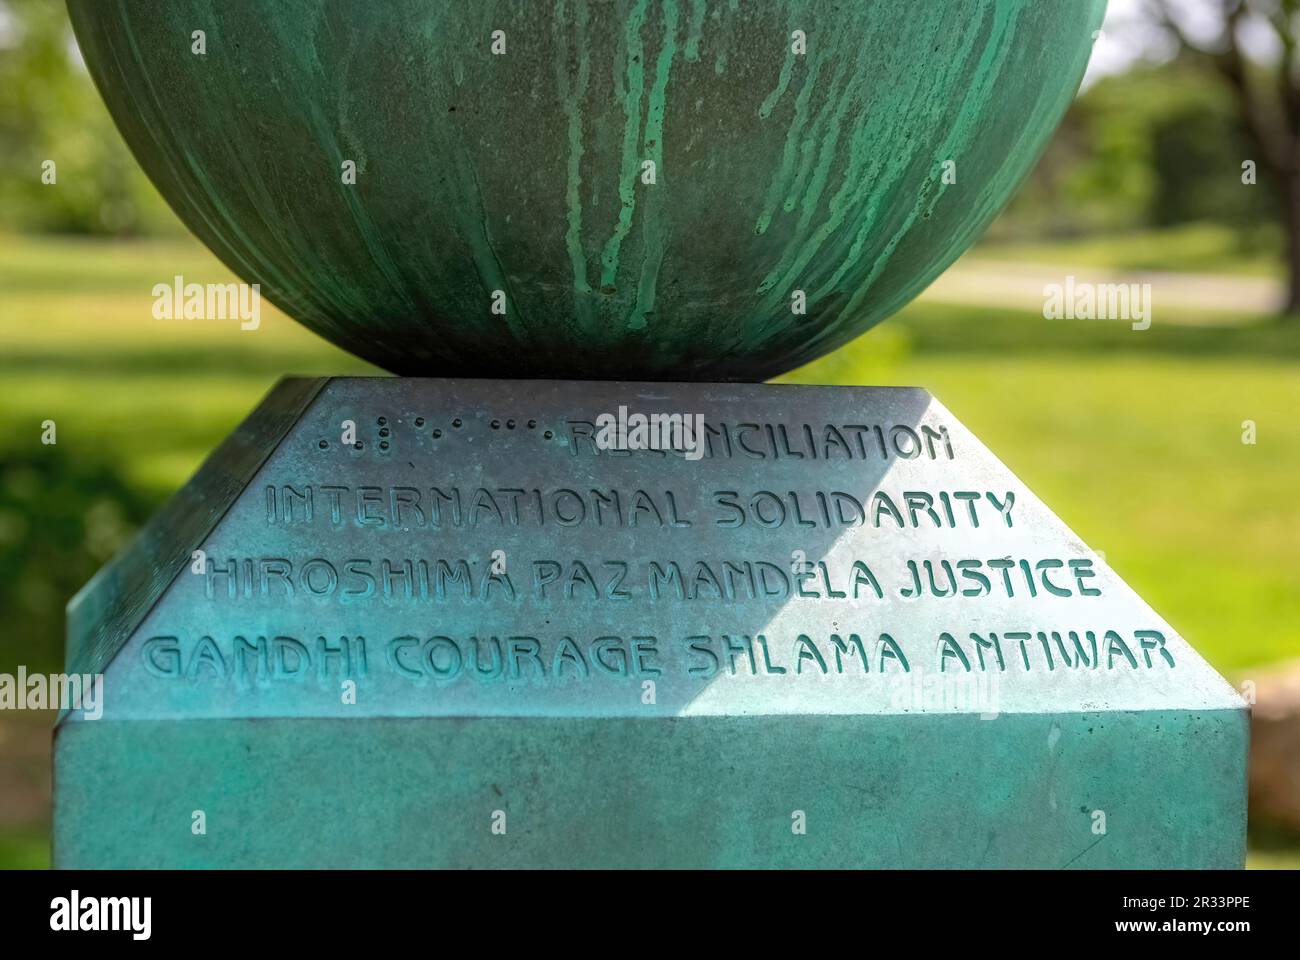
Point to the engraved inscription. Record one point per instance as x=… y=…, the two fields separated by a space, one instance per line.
x=480 y=579
x=530 y=658
x=413 y=508
x=841 y=550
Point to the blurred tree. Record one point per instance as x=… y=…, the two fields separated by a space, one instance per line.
x=1155 y=146
x=1264 y=82
x=49 y=111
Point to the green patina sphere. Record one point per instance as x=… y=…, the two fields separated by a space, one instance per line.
x=624 y=189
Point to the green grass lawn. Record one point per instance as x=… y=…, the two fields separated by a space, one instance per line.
x=1134 y=438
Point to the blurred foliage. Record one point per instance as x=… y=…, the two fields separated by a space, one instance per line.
x=62 y=517
x=50 y=111
x=1152 y=147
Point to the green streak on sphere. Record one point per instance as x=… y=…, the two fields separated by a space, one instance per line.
x=525 y=172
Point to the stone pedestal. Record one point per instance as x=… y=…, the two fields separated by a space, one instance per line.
x=407 y=623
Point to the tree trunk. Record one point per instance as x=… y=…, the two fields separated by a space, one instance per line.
x=1291 y=192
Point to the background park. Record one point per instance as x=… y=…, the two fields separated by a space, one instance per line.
x=1172 y=168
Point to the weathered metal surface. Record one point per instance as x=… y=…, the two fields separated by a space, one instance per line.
x=854 y=172
x=635 y=657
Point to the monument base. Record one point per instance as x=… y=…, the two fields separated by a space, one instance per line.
x=435 y=623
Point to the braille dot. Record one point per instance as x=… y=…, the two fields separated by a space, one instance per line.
x=532 y=424
x=510 y=424
x=496 y=424
x=358 y=445
x=324 y=444
x=419 y=421
x=383 y=444
x=456 y=423
x=548 y=434
x=382 y=420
